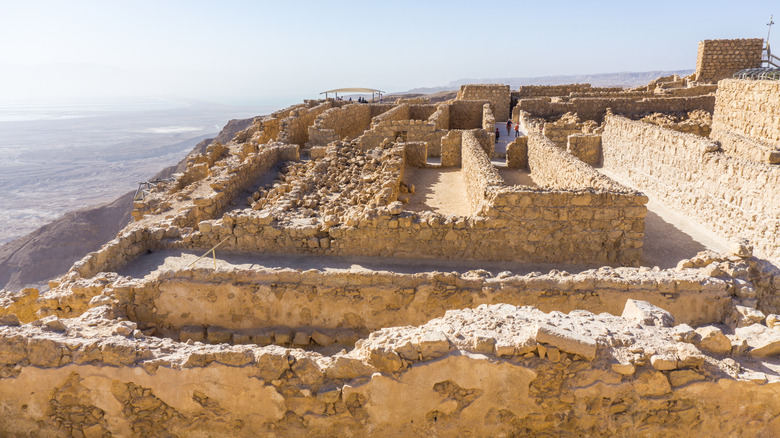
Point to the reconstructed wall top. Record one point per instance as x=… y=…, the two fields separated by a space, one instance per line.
x=719 y=59
x=498 y=95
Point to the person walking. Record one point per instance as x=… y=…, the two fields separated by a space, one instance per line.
x=517 y=130
x=508 y=127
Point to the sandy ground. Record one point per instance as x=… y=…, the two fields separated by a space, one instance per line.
x=671 y=236
x=437 y=189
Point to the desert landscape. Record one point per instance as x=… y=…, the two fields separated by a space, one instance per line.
x=414 y=266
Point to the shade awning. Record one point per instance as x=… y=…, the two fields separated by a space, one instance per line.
x=353 y=90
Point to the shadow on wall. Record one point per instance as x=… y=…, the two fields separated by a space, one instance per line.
x=664 y=244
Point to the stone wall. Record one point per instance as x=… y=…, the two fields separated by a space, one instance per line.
x=719 y=59
x=441 y=117
x=294 y=300
x=406 y=130
x=517 y=153
x=346 y=122
x=562 y=90
x=586 y=147
x=466 y=114
x=748 y=109
x=451 y=149
x=596 y=108
x=479 y=174
x=497 y=94
x=736 y=198
x=294 y=129
x=497 y=370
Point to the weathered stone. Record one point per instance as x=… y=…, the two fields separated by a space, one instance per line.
x=712 y=339
x=194 y=333
x=684 y=377
x=433 y=345
x=9 y=320
x=568 y=341
x=763 y=341
x=647 y=314
x=219 y=335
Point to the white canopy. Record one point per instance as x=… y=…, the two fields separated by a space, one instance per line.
x=353 y=90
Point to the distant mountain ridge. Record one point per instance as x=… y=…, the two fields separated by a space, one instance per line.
x=620 y=79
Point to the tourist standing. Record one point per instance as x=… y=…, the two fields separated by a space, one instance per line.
x=508 y=127
x=517 y=130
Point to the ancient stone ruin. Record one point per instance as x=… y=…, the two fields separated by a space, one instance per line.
x=395 y=269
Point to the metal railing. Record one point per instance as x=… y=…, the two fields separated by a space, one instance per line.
x=145 y=187
x=213 y=252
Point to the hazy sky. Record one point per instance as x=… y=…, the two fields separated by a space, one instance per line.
x=262 y=52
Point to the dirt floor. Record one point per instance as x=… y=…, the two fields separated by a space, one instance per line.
x=437 y=189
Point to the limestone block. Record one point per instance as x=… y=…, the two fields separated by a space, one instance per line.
x=43 y=352
x=10 y=320
x=712 y=339
x=683 y=377
x=218 y=335
x=663 y=362
x=568 y=341
x=763 y=341
x=745 y=316
x=647 y=314
x=433 y=344
x=322 y=339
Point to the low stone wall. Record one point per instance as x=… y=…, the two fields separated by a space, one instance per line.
x=497 y=94
x=719 y=59
x=497 y=370
x=478 y=172
x=562 y=90
x=735 y=197
x=748 y=108
x=586 y=147
x=364 y=302
x=596 y=108
x=226 y=181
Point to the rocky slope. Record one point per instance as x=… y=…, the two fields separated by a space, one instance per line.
x=48 y=252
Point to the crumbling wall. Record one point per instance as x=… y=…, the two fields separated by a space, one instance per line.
x=346 y=122
x=441 y=117
x=719 y=59
x=736 y=198
x=405 y=130
x=747 y=119
x=294 y=129
x=595 y=108
x=498 y=95
x=495 y=370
